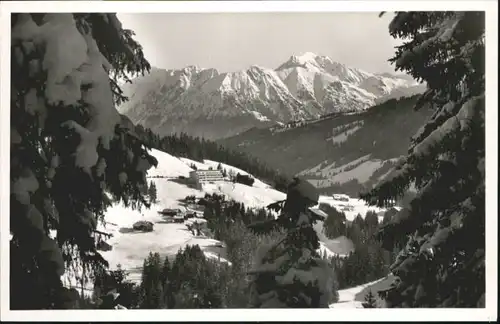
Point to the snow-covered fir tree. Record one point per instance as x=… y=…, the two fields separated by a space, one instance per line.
x=71 y=151
x=442 y=264
x=291 y=273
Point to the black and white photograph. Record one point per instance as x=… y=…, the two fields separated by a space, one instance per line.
x=187 y=157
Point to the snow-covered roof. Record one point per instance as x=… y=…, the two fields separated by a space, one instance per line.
x=202 y=172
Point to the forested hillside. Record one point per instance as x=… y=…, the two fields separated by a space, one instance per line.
x=345 y=153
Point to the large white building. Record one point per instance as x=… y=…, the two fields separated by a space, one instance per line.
x=199 y=177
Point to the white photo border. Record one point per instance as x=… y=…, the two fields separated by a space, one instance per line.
x=489 y=313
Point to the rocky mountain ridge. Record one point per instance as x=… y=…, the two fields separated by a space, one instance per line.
x=205 y=102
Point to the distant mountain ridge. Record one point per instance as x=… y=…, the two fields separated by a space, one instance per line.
x=343 y=153
x=207 y=103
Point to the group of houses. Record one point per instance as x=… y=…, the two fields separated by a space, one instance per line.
x=179 y=216
x=193 y=219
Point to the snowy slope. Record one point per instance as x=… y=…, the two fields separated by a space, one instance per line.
x=198 y=165
x=362 y=172
x=347 y=297
x=169 y=166
x=201 y=101
x=352 y=207
x=253 y=197
x=131 y=248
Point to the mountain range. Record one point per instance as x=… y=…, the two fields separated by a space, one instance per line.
x=207 y=103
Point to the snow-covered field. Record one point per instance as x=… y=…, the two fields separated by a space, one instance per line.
x=360 y=169
x=328 y=173
x=351 y=208
x=362 y=172
x=130 y=249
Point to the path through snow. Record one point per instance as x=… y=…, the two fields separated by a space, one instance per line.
x=347 y=297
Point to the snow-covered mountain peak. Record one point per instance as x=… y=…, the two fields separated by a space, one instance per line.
x=323 y=65
x=258 y=68
x=307 y=57
x=306 y=60
x=189 y=71
x=192 y=68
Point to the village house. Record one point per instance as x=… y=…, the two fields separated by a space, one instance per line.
x=200 y=177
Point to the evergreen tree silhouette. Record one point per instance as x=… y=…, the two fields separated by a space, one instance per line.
x=335 y=224
x=443 y=229
x=152 y=294
x=370 y=301
x=68 y=146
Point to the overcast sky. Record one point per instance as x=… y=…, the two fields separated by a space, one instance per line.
x=235 y=41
